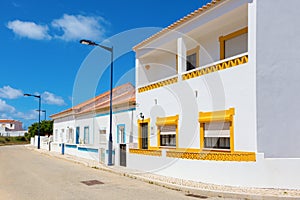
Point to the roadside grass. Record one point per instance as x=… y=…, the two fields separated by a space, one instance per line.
x=13 y=140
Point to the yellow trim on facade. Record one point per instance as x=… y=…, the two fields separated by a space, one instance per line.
x=146 y=152
x=139 y=122
x=222 y=40
x=196 y=51
x=217 y=116
x=214 y=156
x=214 y=68
x=222 y=115
x=158 y=84
x=162 y=121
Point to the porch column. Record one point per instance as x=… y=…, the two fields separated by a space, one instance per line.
x=181 y=57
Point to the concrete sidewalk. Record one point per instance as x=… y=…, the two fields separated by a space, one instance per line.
x=191 y=187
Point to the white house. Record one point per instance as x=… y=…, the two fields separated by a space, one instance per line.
x=10 y=127
x=83 y=130
x=217 y=93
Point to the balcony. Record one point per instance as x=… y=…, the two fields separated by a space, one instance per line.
x=200 y=71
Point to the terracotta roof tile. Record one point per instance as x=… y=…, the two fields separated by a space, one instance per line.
x=122 y=94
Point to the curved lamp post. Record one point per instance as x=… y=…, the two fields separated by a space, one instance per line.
x=110 y=49
x=39 y=97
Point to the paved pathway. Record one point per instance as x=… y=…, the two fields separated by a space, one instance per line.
x=27 y=174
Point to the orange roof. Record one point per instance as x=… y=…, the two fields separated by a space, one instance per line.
x=10 y=121
x=179 y=22
x=121 y=94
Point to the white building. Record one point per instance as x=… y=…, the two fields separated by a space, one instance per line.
x=217 y=93
x=12 y=128
x=83 y=130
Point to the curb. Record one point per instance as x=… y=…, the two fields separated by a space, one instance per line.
x=192 y=191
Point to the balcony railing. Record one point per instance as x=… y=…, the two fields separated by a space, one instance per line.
x=159 y=84
x=210 y=68
x=217 y=66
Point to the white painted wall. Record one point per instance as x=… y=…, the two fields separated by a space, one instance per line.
x=264 y=173
x=95 y=124
x=231 y=88
x=278 y=61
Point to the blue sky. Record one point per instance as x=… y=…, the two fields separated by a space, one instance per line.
x=41 y=54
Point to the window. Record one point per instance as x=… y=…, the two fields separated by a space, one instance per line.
x=234 y=43
x=121 y=134
x=192 y=59
x=62 y=135
x=86 y=135
x=102 y=136
x=56 y=135
x=216 y=130
x=217 y=135
x=167 y=131
x=70 y=138
x=168 y=135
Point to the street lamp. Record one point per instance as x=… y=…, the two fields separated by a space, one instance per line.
x=110 y=49
x=39 y=97
x=44 y=111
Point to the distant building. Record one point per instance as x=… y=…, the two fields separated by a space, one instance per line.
x=84 y=129
x=10 y=127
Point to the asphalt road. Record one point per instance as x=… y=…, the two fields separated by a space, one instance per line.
x=26 y=174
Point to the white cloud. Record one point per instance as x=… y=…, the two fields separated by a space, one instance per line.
x=75 y=27
x=31 y=115
x=8 y=92
x=5 y=108
x=50 y=98
x=29 y=29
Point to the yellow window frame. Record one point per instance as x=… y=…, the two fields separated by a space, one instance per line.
x=222 y=40
x=139 y=122
x=162 y=121
x=217 y=116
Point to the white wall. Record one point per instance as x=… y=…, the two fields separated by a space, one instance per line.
x=278 y=61
x=162 y=65
x=230 y=88
x=264 y=173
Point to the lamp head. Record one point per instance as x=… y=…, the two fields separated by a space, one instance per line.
x=88 y=42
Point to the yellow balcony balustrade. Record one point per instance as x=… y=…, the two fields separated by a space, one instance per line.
x=158 y=84
x=221 y=66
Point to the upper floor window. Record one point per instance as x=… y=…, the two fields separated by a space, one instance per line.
x=192 y=59
x=234 y=43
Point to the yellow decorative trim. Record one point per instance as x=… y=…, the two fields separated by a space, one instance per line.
x=214 y=156
x=171 y=120
x=217 y=116
x=222 y=40
x=158 y=84
x=139 y=122
x=222 y=115
x=224 y=65
x=146 y=152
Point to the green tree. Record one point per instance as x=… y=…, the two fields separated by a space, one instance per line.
x=45 y=129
